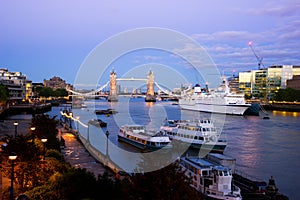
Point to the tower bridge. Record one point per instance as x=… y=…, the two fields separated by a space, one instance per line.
x=113 y=95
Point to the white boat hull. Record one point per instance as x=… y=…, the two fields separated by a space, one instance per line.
x=230 y=109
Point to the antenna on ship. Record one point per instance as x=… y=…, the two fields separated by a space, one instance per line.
x=259 y=59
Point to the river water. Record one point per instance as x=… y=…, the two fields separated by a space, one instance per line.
x=262 y=147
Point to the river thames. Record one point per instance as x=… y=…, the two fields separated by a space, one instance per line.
x=261 y=147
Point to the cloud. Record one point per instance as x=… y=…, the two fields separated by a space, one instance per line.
x=283 y=8
x=277 y=45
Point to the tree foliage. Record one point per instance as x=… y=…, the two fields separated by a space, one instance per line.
x=46 y=127
x=4 y=94
x=49 y=92
x=166 y=183
x=288 y=94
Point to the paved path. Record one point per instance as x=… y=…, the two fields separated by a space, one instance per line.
x=75 y=153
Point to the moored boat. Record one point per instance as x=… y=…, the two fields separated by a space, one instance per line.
x=138 y=136
x=105 y=112
x=200 y=134
x=98 y=122
x=220 y=100
x=213 y=181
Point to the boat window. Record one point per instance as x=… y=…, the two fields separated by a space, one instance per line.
x=204 y=173
x=220 y=173
x=196 y=138
x=225 y=173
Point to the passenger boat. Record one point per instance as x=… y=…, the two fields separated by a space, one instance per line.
x=98 y=122
x=105 y=112
x=138 y=136
x=213 y=181
x=220 y=100
x=198 y=133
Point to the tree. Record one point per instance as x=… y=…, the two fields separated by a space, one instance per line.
x=46 y=127
x=60 y=92
x=287 y=94
x=166 y=183
x=4 y=94
x=76 y=184
x=44 y=91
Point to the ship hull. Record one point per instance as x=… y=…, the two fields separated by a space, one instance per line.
x=217 y=148
x=138 y=144
x=229 y=109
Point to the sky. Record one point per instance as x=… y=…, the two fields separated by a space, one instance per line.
x=47 y=38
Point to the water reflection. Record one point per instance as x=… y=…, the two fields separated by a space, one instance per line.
x=285 y=113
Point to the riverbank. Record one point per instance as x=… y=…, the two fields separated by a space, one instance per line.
x=25 y=108
x=289 y=107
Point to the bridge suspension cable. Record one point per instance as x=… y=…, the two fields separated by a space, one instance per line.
x=162 y=89
x=92 y=93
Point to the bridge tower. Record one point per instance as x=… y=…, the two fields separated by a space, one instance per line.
x=150 y=97
x=113 y=97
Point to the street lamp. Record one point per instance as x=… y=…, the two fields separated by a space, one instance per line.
x=70 y=114
x=32 y=129
x=107 y=134
x=12 y=157
x=44 y=140
x=16 y=128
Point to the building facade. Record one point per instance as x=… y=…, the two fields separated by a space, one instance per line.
x=294 y=83
x=19 y=87
x=264 y=83
x=55 y=83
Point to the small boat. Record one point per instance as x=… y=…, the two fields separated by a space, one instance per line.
x=198 y=133
x=138 y=136
x=98 y=122
x=212 y=180
x=106 y=112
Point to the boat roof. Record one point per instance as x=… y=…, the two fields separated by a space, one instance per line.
x=202 y=163
x=199 y=162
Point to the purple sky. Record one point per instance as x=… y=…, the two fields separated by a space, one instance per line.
x=47 y=38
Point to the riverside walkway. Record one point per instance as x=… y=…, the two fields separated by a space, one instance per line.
x=75 y=154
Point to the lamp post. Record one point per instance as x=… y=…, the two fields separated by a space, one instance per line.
x=107 y=134
x=44 y=140
x=12 y=157
x=71 y=114
x=16 y=128
x=32 y=129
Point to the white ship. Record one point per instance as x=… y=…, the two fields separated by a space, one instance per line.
x=200 y=134
x=220 y=100
x=212 y=180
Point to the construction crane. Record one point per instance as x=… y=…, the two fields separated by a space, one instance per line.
x=259 y=59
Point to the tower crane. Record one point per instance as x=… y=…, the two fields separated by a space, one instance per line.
x=259 y=59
